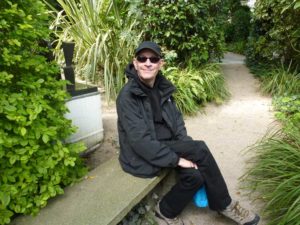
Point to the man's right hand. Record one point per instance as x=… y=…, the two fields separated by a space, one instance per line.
x=184 y=163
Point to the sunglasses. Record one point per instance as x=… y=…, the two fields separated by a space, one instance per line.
x=142 y=59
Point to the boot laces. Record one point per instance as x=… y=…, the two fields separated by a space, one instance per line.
x=239 y=212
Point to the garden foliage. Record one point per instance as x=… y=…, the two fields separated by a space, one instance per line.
x=280 y=81
x=275 y=168
x=35 y=163
x=105 y=33
x=275 y=35
x=288 y=110
x=237 y=26
x=275 y=175
x=190 y=28
x=205 y=84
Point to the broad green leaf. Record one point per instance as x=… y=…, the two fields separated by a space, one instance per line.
x=45 y=138
x=297 y=5
x=10 y=108
x=23 y=131
x=13 y=159
x=4 y=198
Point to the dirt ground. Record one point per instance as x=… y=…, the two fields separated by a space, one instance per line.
x=228 y=130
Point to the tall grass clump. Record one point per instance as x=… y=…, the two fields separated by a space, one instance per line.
x=196 y=86
x=275 y=174
x=280 y=81
x=105 y=36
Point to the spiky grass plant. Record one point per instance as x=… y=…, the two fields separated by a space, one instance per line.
x=281 y=81
x=275 y=175
x=214 y=83
x=196 y=86
x=105 y=38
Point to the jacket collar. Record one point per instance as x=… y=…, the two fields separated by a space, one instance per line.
x=165 y=87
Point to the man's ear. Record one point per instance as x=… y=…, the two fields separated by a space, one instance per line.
x=134 y=63
x=162 y=63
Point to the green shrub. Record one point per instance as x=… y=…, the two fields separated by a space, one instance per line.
x=236 y=47
x=35 y=163
x=190 y=28
x=275 y=32
x=288 y=110
x=196 y=86
x=237 y=29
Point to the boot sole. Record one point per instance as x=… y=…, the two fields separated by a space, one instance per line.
x=254 y=221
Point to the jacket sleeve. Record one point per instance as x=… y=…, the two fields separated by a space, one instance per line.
x=138 y=134
x=181 y=133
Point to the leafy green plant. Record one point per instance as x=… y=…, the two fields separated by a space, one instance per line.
x=237 y=26
x=190 y=28
x=35 y=162
x=288 y=110
x=236 y=47
x=105 y=34
x=196 y=86
x=275 y=32
x=274 y=173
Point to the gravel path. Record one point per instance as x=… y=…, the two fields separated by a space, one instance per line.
x=228 y=130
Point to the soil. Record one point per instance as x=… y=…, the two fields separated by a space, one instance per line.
x=109 y=145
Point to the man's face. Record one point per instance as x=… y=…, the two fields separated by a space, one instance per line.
x=147 y=71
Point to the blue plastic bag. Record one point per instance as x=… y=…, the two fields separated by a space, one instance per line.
x=200 y=198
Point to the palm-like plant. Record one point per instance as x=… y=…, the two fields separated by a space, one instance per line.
x=104 y=32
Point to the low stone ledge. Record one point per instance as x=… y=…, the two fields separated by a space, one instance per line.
x=103 y=198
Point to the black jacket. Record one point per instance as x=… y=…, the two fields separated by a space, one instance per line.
x=141 y=153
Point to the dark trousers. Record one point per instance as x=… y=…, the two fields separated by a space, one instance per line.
x=190 y=179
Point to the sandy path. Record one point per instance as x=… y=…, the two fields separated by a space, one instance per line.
x=228 y=129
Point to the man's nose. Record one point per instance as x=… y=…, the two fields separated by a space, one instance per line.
x=148 y=63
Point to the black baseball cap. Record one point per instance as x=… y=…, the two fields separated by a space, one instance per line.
x=148 y=45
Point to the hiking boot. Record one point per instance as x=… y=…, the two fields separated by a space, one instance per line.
x=240 y=215
x=173 y=221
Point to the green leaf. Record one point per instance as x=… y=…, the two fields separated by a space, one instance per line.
x=23 y=131
x=10 y=108
x=4 y=198
x=40 y=81
x=13 y=159
x=297 y=5
x=45 y=138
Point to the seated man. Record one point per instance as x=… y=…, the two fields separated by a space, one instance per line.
x=153 y=136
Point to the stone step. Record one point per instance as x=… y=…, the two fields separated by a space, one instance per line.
x=103 y=198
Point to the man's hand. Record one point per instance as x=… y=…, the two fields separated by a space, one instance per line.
x=184 y=163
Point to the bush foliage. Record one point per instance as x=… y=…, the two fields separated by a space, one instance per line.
x=275 y=35
x=190 y=28
x=236 y=25
x=35 y=163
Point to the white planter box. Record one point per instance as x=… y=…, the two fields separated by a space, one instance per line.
x=85 y=113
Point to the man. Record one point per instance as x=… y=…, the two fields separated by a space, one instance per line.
x=153 y=136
